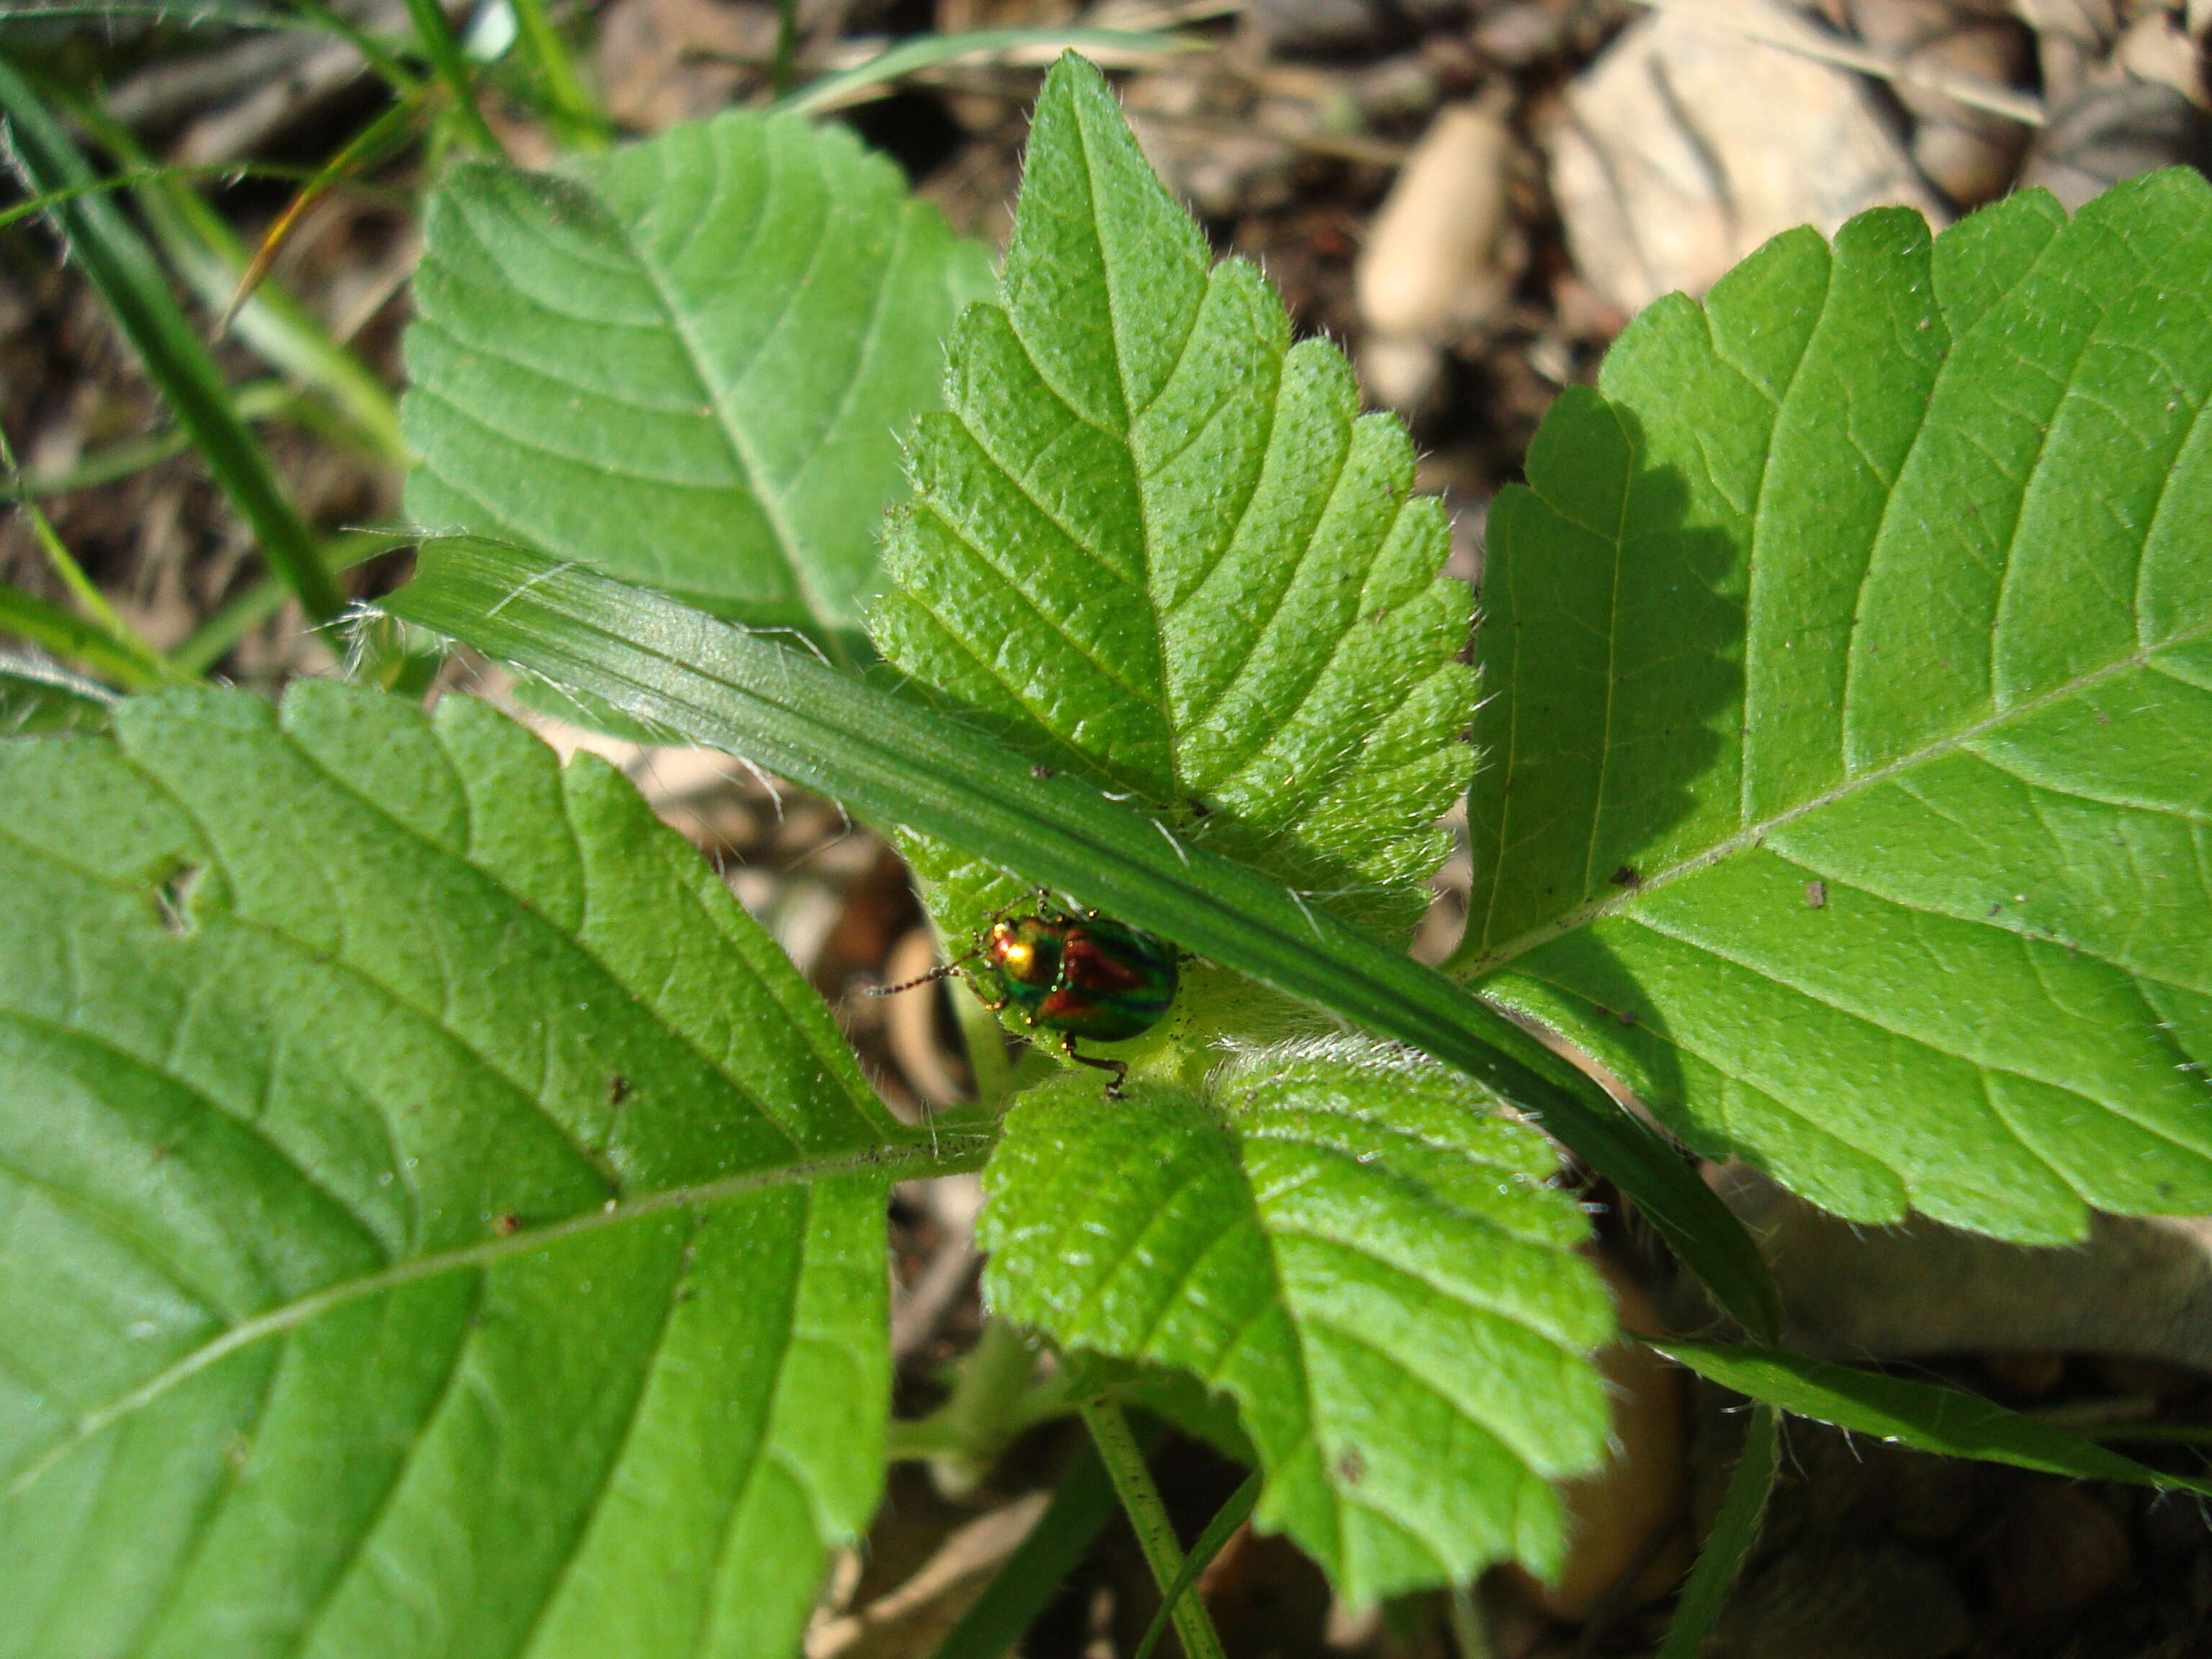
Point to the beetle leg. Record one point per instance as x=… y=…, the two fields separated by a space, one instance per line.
x=1119 y=1067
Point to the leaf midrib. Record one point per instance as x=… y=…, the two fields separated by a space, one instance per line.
x=788 y=546
x=1751 y=834
x=954 y=1154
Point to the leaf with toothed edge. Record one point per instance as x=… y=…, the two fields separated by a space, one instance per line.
x=1368 y=1259
x=437 y=1219
x=1851 y=673
x=1154 y=541
x=688 y=361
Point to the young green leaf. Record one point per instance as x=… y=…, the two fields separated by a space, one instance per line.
x=431 y=1205
x=688 y=361
x=1851 y=661
x=1364 y=1256
x=1153 y=541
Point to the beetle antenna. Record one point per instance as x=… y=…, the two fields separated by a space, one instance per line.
x=929 y=978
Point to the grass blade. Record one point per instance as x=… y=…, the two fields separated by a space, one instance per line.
x=372 y=144
x=225 y=170
x=1148 y=1518
x=123 y=270
x=29 y=618
x=1736 y=1529
x=895 y=762
x=574 y=114
x=1226 y=1519
x=1925 y=1416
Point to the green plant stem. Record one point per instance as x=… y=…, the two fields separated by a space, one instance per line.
x=1148 y=1518
x=581 y=120
x=89 y=599
x=1226 y=1519
x=228 y=170
x=259 y=400
x=1736 y=1529
x=435 y=34
x=977 y=1420
x=123 y=270
x=394 y=73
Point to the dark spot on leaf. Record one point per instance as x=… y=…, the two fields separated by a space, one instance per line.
x=1816 y=895
x=1198 y=809
x=1627 y=1017
x=173 y=899
x=617 y=1088
x=1041 y=772
x=1626 y=876
x=1350 y=1467
x=506 y=1225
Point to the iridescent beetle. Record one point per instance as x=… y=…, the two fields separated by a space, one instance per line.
x=1080 y=976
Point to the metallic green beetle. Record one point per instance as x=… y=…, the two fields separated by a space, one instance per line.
x=1077 y=976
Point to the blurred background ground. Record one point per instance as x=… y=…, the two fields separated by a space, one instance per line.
x=1472 y=196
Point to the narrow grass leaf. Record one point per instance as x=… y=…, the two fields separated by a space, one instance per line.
x=880 y=74
x=1729 y=1545
x=1081 y=1504
x=206 y=253
x=1923 y=1415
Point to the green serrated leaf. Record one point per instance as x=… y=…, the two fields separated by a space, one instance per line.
x=1153 y=541
x=688 y=361
x=437 y=1220
x=1852 y=662
x=1368 y=1261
